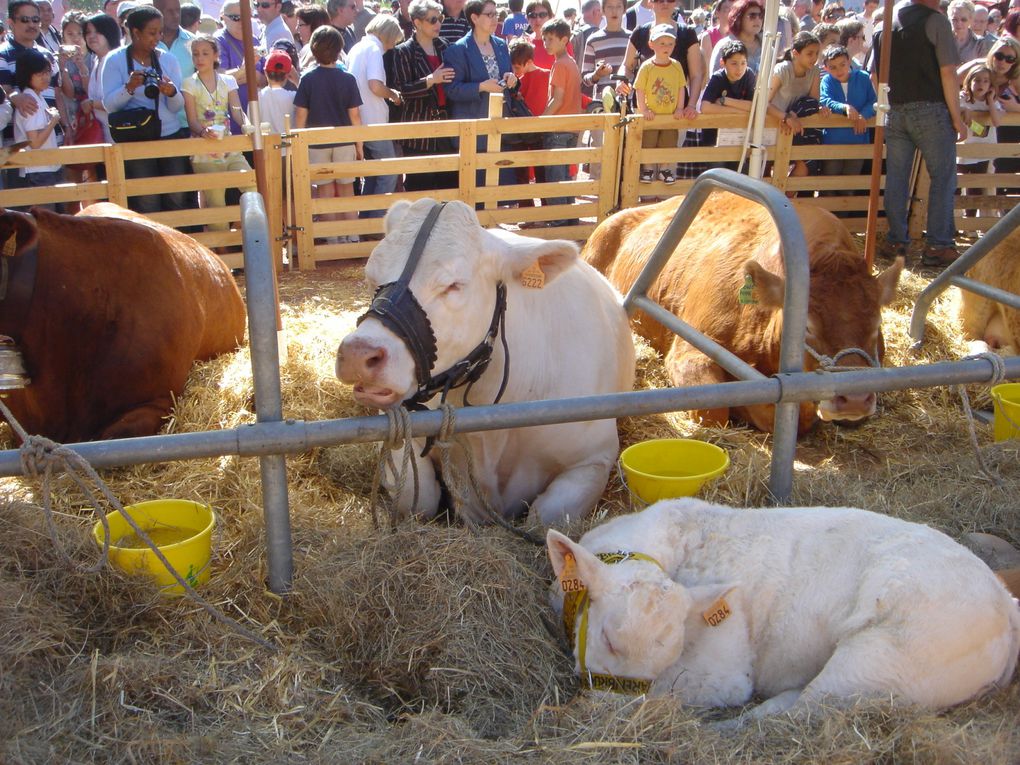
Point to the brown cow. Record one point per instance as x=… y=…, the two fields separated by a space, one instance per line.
x=985 y=320
x=118 y=314
x=733 y=238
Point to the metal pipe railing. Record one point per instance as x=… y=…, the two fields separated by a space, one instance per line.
x=265 y=363
x=795 y=301
x=953 y=275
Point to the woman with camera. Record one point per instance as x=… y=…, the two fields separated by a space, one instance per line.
x=142 y=96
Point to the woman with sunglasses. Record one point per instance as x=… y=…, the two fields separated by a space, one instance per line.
x=417 y=72
x=538 y=12
x=480 y=63
x=746 y=19
x=686 y=51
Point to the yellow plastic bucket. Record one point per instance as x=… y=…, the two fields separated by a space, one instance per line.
x=671 y=467
x=1006 y=398
x=181 y=529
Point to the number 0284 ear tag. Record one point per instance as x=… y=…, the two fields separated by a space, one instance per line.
x=716 y=613
x=573 y=593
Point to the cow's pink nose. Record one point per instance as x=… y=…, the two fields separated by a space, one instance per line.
x=358 y=360
x=854 y=402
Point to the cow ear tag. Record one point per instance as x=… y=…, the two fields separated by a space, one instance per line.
x=718 y=612
x=533 y=276
x=746 y=294
x=10 y=246
x=570 y=580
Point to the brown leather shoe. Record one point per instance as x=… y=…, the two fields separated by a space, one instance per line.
x=891 y=250
x=935 y=257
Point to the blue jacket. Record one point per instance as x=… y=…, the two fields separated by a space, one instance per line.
x=466 y=101
x=860 y=95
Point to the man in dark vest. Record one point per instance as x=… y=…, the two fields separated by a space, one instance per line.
x=924 y=115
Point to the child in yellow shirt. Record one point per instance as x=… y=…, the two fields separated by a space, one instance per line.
x=660 y=91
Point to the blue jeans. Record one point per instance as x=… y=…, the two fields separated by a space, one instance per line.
x=557 y=173
x=378 y=184
x=927 y=127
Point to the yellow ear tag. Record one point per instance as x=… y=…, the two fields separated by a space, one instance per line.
x=533 y=276
x=746 y=294
x=10 y=246
x=570 y=581
x=716 y=613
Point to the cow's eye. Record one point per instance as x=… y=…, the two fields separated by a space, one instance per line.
x=609 y=644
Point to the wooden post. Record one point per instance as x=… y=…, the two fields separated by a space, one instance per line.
x=301 y=180
x=609 y=176
x=631 y=162
x=274 y=198
x=492 y=143
x=467 y=183
x=781 y=165
x=113 y=159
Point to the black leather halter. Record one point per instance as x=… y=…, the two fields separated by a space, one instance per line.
x=396 y=307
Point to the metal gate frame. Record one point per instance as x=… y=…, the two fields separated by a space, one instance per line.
x=271 y=437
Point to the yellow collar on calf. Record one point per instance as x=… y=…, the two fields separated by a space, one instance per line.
x=575 y=603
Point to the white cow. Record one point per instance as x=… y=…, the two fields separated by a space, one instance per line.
x=807 y=604
x=567 y=337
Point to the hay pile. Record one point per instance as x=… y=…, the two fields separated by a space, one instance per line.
x=427 y=644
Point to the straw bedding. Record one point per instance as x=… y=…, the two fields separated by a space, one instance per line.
x=427 y=644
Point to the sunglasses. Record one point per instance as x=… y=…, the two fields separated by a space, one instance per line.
x=28 y=19
x=433 y=19
x=538 y=15
x=1000 y=56
x=232 y=16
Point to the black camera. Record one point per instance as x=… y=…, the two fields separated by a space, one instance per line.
x=151 y=83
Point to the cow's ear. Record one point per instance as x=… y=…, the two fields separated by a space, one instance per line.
x=564 y=553
x=768 y=288
x=395 y=214
x=553 y=256
x=711 y=598
x=887 y=281
x=17 y=232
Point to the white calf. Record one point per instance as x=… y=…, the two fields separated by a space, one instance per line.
x=794 y=604
x=566 y=332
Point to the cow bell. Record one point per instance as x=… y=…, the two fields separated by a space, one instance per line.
x=12 y=366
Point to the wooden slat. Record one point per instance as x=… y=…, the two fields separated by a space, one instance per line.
x=64 y=192
x=168 y=184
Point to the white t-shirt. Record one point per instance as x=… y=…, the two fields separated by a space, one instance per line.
x=365 y=62
x=274 y=103
x=37 y=121
x=989 y=137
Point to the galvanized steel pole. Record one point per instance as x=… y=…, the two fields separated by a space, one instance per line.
x=265 y=362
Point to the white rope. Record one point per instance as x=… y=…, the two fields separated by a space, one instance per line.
x=398 y=437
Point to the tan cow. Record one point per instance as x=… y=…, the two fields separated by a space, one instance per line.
x=731 y=239
x=985 y=320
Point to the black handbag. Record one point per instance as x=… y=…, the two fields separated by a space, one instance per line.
x=137 y=124
x=514 y=106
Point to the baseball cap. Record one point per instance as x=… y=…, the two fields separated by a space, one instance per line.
x=279 y=61
x=662 y=30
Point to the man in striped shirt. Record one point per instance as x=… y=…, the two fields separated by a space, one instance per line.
x=455 y=24
x=605 y=49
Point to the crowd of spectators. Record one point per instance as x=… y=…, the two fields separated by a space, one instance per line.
x=349 y=62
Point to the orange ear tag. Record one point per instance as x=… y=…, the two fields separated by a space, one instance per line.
x=570 y=581
x=716 y=613
x=533 y=276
